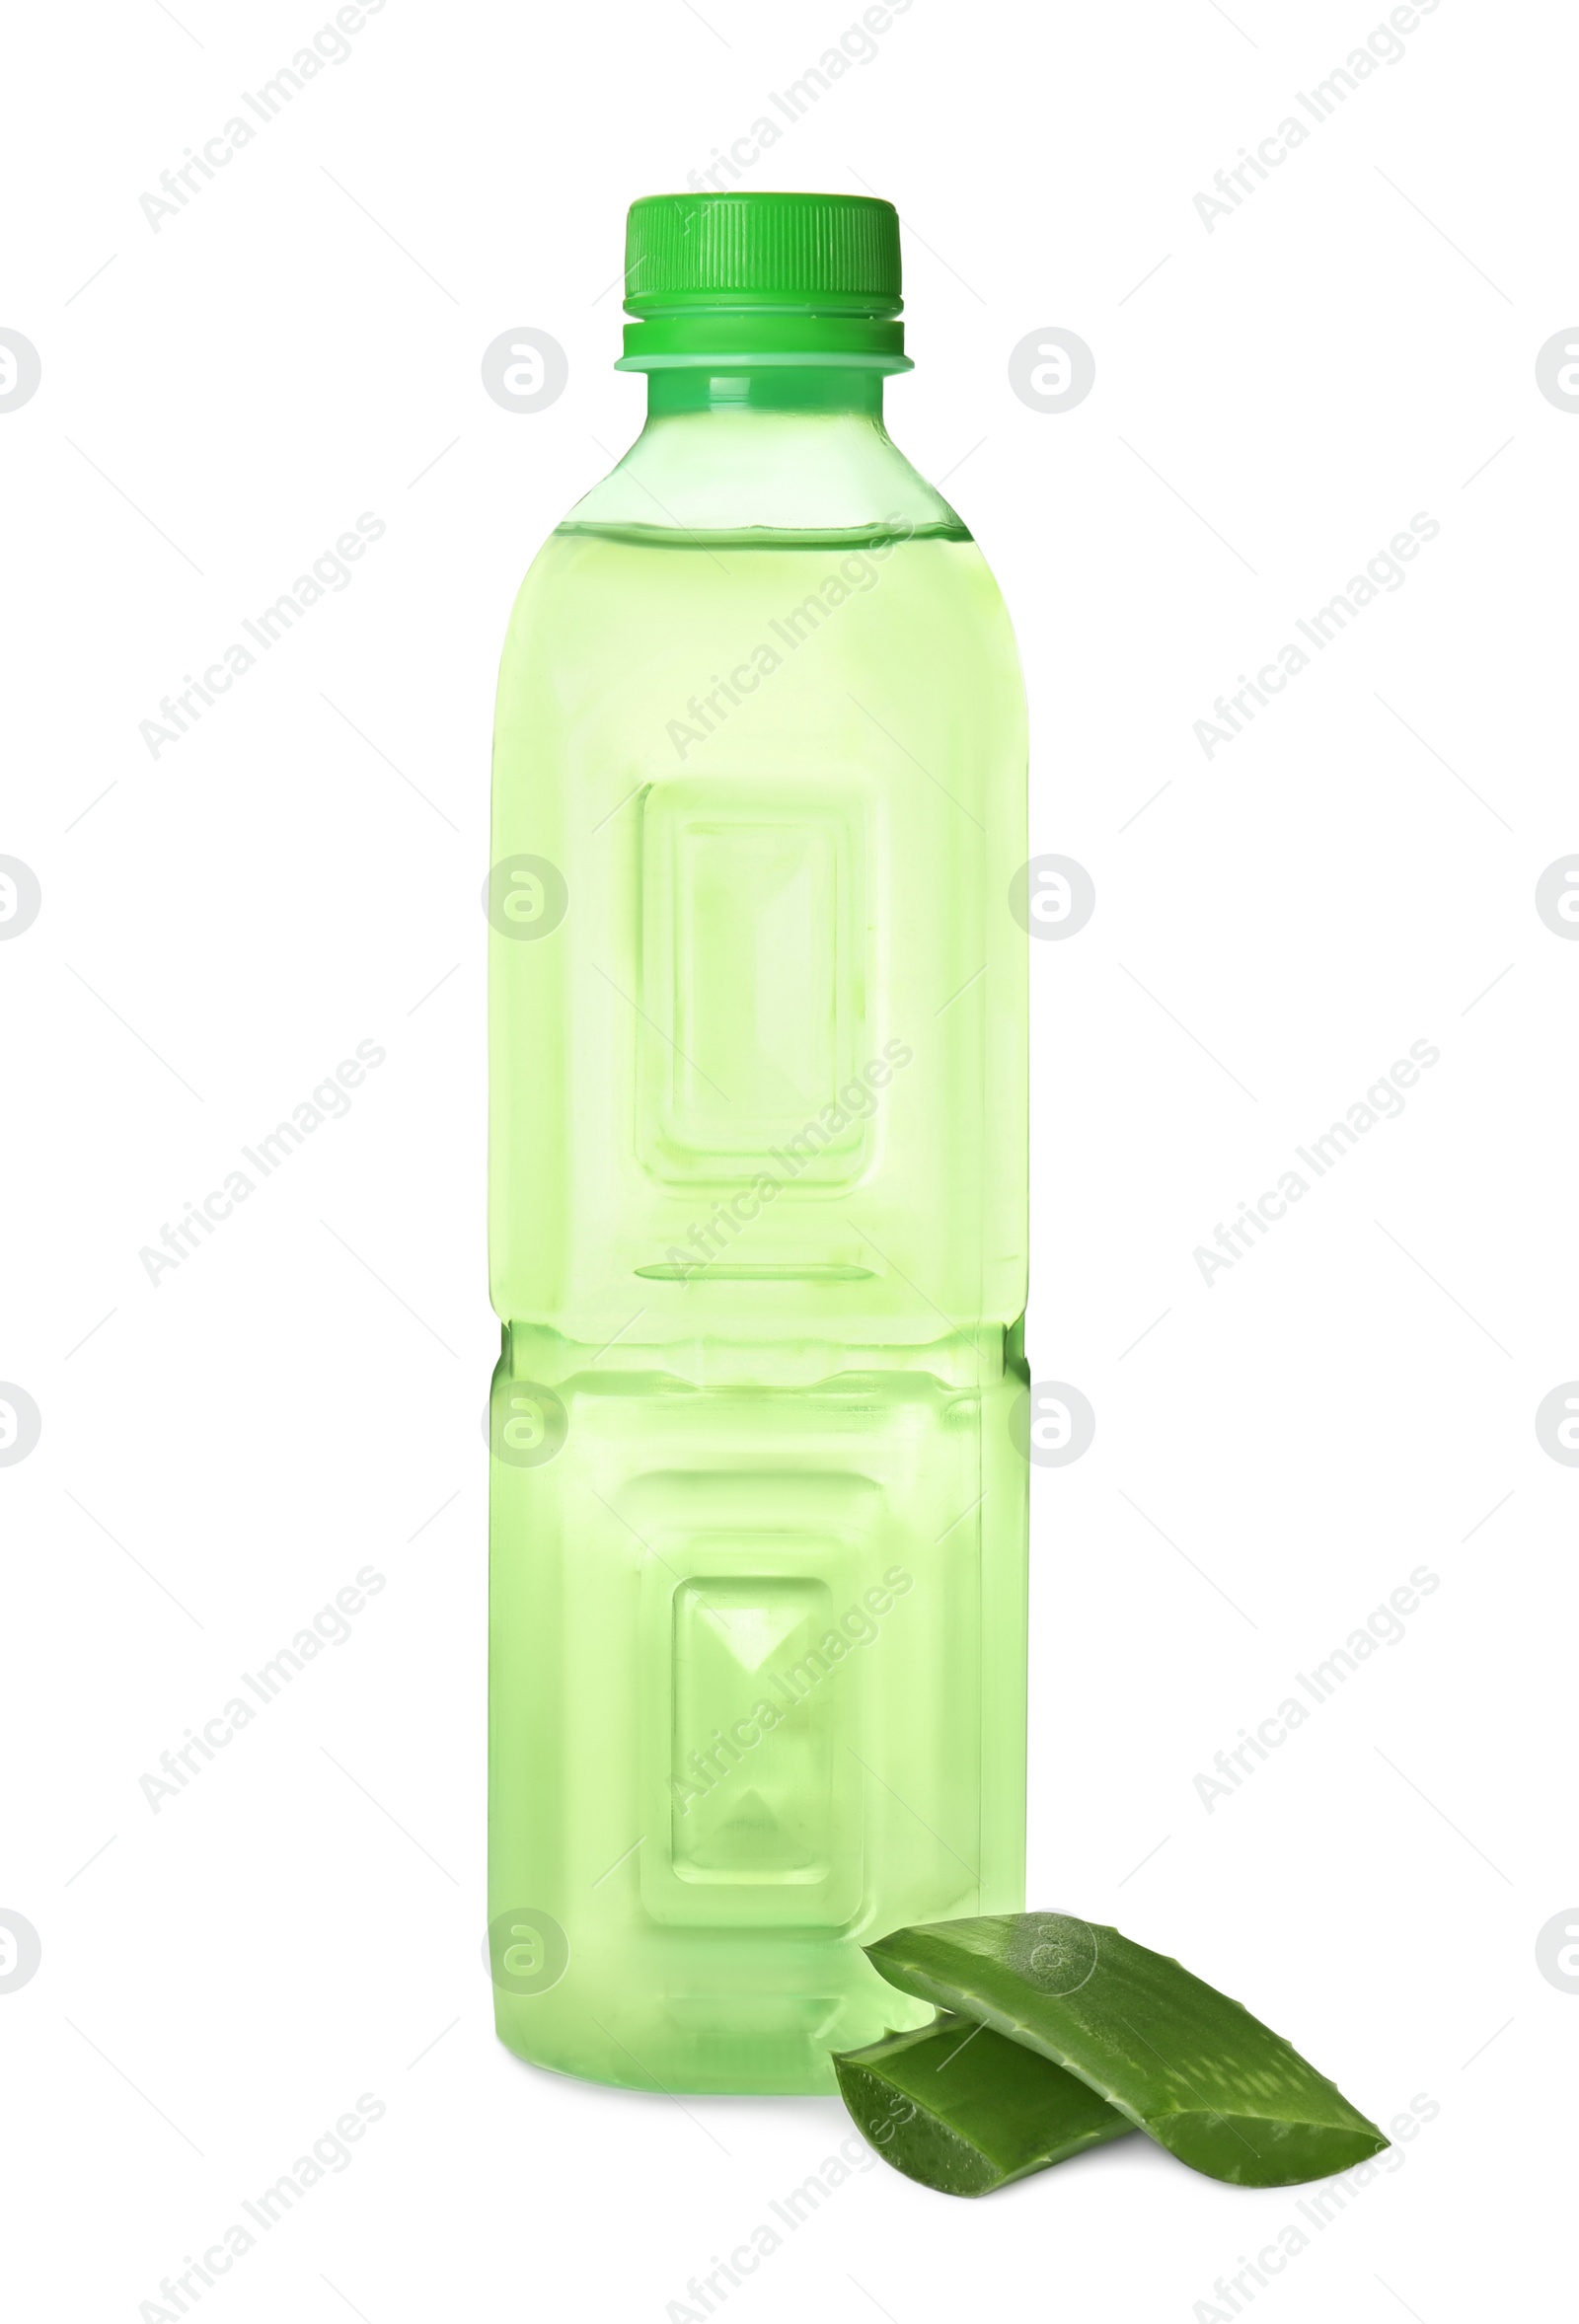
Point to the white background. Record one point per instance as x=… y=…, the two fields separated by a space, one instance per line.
x=301 y=1397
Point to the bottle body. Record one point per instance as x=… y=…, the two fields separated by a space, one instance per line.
x=758 y=1244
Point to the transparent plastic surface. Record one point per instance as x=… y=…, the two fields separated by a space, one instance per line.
x=757 y=1230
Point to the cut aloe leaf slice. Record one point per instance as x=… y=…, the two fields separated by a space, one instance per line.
x=961 y=2108
x=1192 y=2069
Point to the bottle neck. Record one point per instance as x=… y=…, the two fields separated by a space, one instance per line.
x=780 y=387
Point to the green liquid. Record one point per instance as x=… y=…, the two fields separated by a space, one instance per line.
x=757 y=1225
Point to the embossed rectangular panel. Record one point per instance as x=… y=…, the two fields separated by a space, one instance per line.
x=753 y=1729
x=756 y=1697
x=754 y=980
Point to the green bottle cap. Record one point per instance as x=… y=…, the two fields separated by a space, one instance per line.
x=742 y=281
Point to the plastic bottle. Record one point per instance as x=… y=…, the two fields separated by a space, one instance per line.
x=757 y=1172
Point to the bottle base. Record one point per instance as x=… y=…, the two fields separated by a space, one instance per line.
x=714 y=2057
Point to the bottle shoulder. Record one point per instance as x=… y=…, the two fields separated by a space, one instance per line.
x=718 y=531
x=832 y=473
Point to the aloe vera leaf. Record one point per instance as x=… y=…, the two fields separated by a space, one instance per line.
x=961 y=2108
x=1192 y=2069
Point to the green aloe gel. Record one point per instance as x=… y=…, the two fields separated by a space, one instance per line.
x=757 y=1195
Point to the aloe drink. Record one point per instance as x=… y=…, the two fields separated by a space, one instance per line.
x=757 y=1181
